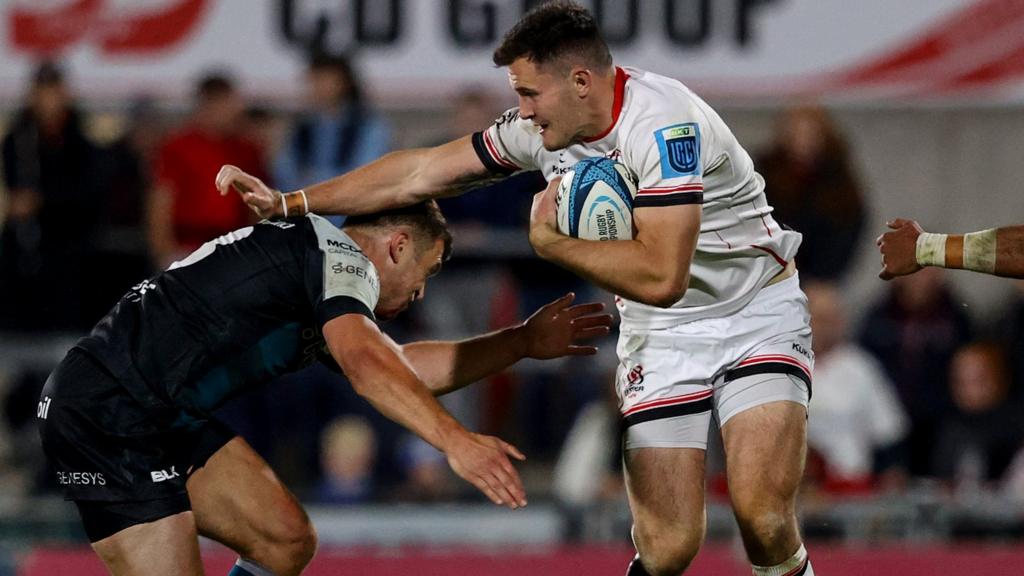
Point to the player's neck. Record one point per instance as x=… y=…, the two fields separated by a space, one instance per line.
x=368 y=242
x=600 y=106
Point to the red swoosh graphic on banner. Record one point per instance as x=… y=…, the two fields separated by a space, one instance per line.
x=972 y=43
x=49 y=31
x=117 y=31
x=977 y=47
x=1006 y=68
x=152 y=31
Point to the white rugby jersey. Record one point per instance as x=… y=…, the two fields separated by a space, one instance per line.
x=681 y=152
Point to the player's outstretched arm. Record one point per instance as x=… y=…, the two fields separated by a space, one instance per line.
x=653 y=268
x=906 y=248
x=378 y=372
x=396 y=179
x=553 y=331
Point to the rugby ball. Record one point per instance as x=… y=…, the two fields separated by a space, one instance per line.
x=595 y=201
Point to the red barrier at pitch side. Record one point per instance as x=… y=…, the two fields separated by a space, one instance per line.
x=717 y=560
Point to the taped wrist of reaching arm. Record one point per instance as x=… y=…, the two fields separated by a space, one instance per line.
x=294 y=204
x=978 y=251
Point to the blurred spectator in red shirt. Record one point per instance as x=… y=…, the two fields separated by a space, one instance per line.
x=811 y=183
x=185 y=209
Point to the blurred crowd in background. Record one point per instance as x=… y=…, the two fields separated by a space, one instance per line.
x=910 y=390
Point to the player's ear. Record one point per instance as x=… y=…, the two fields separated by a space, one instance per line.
x=400 y=246
x=582 y=81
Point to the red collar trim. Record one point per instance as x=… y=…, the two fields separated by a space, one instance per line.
x=620 y=90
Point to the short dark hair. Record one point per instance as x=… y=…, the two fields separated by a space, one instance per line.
x=48 y=73
x=425 y=218
x=341 y=65
x=551 y=31
x=214 y=85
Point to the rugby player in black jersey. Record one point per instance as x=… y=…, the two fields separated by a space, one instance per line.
x=126 y=417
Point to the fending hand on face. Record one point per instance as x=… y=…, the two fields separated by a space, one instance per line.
x=264 y=200
x=899 y=248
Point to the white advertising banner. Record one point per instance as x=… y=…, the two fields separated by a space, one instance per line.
x=904 y=51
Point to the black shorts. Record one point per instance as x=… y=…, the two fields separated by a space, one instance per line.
x=122 y=463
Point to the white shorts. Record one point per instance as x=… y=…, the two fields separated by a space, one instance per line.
x=671 y=382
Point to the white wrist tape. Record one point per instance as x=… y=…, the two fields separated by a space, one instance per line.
x=931 y=249
x=980 y=251
x=305 y=202
x=284 y=205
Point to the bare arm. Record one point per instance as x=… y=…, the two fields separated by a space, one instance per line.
x=380 y=374
x=551 y=332
x=653 y=268
x=396 y=179
x=998 y=251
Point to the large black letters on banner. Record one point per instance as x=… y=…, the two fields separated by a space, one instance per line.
x=616 y=30
x=370 y=30
x=472 y=23
x=744 y=19
x=688 y=22
x=353 y=24
x=365 y=23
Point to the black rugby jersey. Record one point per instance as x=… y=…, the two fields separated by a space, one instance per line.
x=241 y=309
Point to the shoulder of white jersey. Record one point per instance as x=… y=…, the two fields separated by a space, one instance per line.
x=666 y=135
x=349 y=277
x=507 y=143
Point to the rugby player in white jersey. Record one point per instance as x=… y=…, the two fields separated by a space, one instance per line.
x=713 y=320
x=907 y=248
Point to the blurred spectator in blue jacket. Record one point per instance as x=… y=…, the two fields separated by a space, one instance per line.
x=51 y=173
x=340 y=132
x=347 y=454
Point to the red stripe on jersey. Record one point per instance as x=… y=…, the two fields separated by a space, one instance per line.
x=669 y=401
x=674 y=189
x=620 y=90
x=778 y=258
x=494 y=152
x=774 y=358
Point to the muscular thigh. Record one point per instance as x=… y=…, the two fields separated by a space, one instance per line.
x=239 y=501
x=765 y=447
x=666 y=491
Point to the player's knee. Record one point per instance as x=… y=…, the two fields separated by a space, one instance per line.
x=289 y=544
x=667 y=553
x=299 y=540
x=766 y=527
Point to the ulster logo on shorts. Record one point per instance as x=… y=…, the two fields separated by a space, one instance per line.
x=636 y=375
x=632 y=382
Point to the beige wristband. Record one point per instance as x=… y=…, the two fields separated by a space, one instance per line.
x=293 y=202
x=980 y=251
x=931 y=249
